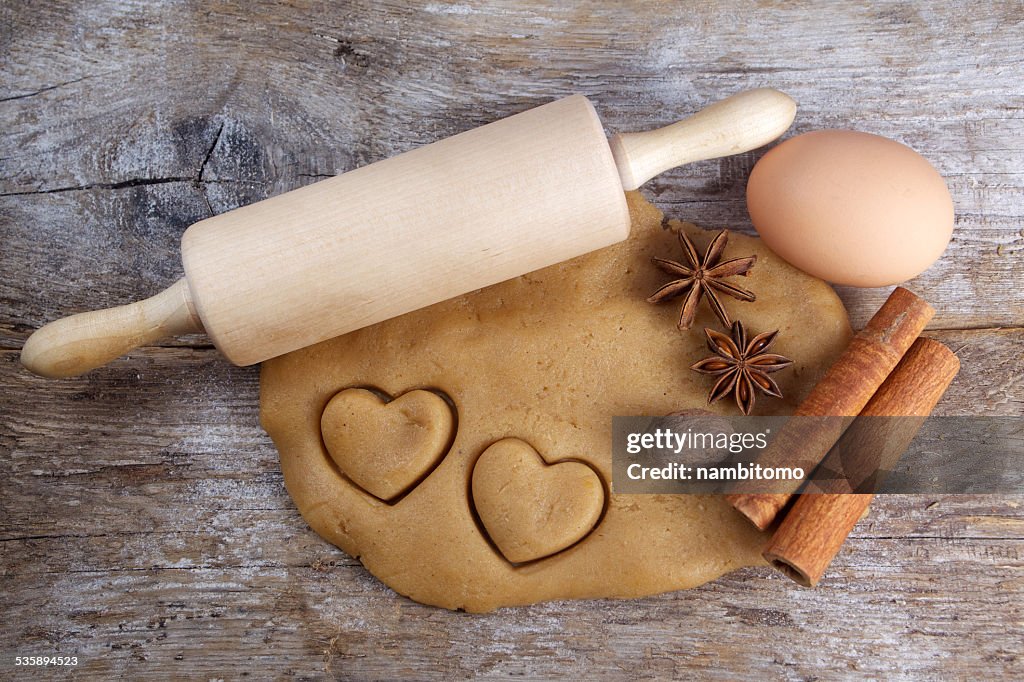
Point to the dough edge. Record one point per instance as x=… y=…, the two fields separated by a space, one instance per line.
x=430 y=546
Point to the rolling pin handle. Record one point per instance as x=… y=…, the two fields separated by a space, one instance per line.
x=737 y=124
x=76 y=344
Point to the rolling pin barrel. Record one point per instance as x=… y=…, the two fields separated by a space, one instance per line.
x=457 y=215
x=475 y=209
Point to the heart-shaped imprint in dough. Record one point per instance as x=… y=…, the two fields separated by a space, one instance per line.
x=386 y=447
x=530 y=508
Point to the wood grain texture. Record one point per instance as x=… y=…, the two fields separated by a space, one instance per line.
x=171 y=546
x=145 y=526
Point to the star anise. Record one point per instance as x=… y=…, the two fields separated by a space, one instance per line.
x=703 y=276
x=741 y=366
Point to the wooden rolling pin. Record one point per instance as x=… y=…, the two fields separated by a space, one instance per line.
x=475 y=209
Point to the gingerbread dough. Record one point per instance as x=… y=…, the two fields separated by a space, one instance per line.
x=485 y=482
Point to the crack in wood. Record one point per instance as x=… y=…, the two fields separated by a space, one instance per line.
x=128 y=184
x=123 y=184
x=199 y=181
x=209 y=153
x=49 y=88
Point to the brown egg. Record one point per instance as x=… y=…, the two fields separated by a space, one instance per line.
x=851 y=208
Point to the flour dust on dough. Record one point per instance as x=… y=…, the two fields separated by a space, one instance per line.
x=533 y=369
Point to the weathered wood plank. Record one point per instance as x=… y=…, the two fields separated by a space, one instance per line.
x=145 y=520
x=892 y=617
x=76 y=251
x=184 y=147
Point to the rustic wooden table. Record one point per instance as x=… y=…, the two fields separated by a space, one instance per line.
x=144 y=527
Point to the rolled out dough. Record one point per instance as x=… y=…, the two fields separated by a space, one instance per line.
x=532 y=369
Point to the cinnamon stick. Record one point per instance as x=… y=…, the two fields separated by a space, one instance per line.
x=843 y=392
x=815 y=528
